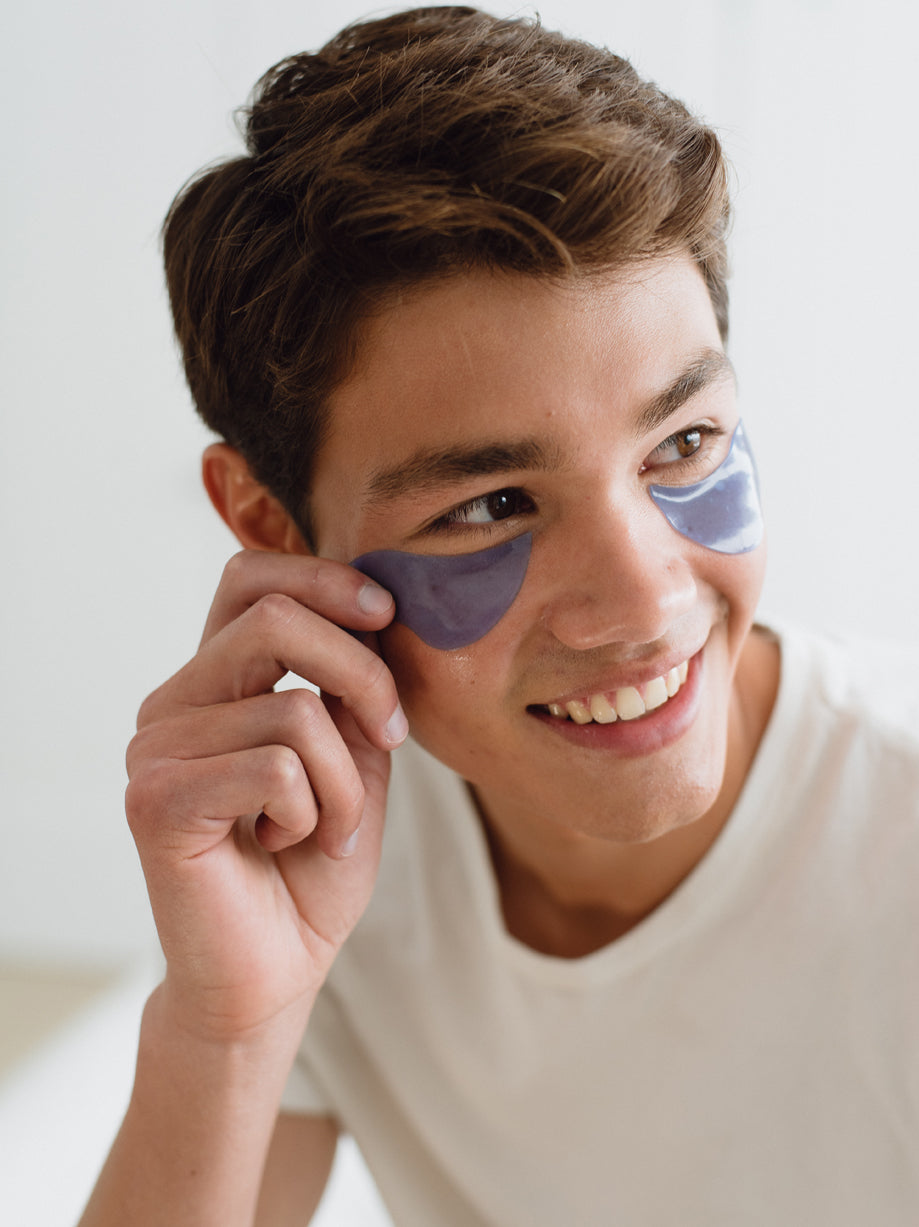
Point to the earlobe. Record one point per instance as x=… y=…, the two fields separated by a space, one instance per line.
x=250 y=511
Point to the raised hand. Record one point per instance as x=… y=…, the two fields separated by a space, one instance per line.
x=258 y=815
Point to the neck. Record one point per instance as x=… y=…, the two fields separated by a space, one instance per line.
x=569 y=897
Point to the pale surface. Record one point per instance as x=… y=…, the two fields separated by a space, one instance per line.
x=63 y=1104
x=36 y=1002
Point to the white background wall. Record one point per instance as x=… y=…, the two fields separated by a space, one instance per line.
x=110 y=551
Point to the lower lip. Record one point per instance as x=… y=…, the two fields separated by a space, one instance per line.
x=653 y=731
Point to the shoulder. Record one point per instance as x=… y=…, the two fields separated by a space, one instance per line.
x=832 y=807
x=855 y=685
x=843 y=745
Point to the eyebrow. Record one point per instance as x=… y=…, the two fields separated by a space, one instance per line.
x=711 y=366
x=433 y=468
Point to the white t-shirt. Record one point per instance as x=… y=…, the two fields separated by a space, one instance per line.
x=748 y=1054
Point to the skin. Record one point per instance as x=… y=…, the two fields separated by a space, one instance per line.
x=612 y=595
x=258 y=815
x=250 y=910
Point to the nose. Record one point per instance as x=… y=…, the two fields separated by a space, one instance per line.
x=624 y=577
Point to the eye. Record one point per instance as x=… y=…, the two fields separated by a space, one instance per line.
x=490 y=508
x=679 y=446
x=693 y=448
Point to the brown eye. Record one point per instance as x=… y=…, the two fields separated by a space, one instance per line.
x=682 y=445
x=688 y=442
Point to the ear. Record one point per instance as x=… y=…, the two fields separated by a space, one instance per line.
x=249 y=510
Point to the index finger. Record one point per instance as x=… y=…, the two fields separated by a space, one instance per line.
x=332 y=589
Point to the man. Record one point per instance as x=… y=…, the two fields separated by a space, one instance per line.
x=459 y=316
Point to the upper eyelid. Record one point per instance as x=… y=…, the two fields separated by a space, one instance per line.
x=706 y=428
x=443 y=517
x=480 y=498
x=711 y=432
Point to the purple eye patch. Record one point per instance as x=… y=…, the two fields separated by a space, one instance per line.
x=450 y=601
x=721 y=512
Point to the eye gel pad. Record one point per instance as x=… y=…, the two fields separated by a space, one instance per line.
x=721 y=512
x=450 y=601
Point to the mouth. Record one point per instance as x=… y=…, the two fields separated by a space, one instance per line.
x=627 y=703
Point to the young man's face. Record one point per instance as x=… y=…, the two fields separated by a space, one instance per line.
x=596 y=389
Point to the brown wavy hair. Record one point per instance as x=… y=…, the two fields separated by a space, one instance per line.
x=424 y=144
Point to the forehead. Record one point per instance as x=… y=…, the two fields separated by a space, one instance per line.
x=491 y=357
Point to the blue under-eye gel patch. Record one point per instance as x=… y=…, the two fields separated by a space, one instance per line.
x=721 y=512
x=451 y=601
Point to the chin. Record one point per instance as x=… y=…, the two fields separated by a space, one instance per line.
x=645 y=828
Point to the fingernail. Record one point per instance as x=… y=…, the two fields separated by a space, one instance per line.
x=350 y=843
x=397 y=727
x=372 y=599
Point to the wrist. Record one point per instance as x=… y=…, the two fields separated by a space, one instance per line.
x=204 y=1105
x=204 y=1039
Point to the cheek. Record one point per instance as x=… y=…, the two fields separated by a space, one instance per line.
x=739 y=581
x=458 y=703
x=434 y=690
x=432 y=684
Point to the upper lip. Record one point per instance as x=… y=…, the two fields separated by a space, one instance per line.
x=637 y=677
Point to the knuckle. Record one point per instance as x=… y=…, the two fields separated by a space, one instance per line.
x=145 y=795
x=134 y=801
x=302 y=708
x=283 y=770
x=235 y=570
x=272 y=611
x=149 y=711
x=137 y=749
x=153 y=744
x=352 y=803
x=327 y=581
x=374 y=675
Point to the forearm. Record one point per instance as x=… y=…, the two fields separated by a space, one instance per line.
x=192 y=1147
x=244 y=804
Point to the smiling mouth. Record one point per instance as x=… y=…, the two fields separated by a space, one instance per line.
x=627 y=703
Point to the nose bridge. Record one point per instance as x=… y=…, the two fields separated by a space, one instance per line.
x=619 y=574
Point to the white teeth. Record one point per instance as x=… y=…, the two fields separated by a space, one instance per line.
x=578 y=712
x=601 y=709
x=655 y=693
x=629 y=702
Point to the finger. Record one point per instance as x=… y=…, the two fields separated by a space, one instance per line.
x=272 y=637
x=329 y=890
x=332 y=589
x=298 y=719
x=189 y=807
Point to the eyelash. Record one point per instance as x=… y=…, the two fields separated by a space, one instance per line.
x=454 y=517
x=698 y=459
